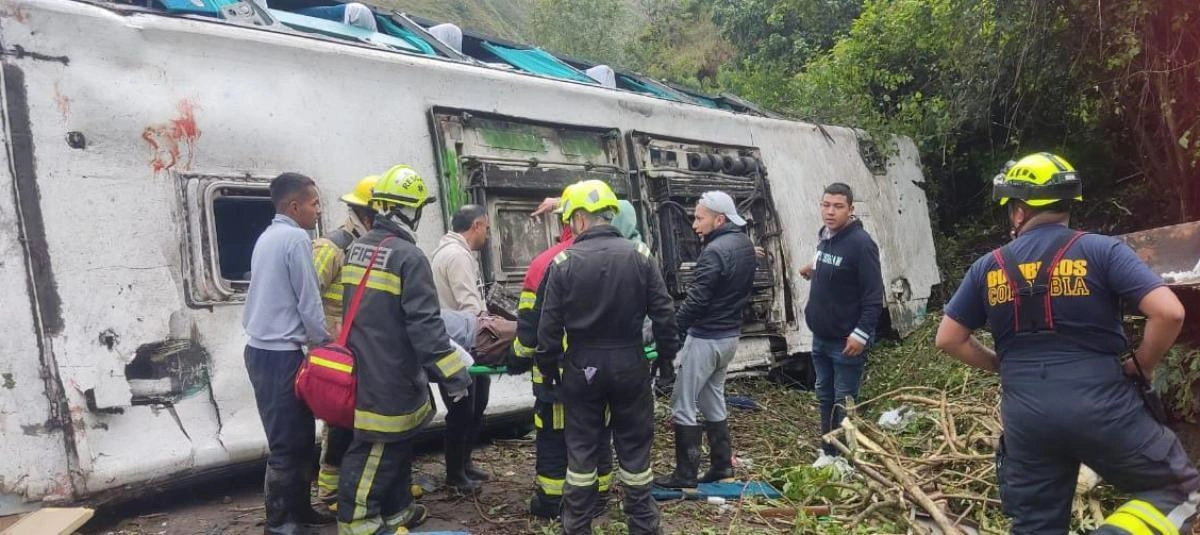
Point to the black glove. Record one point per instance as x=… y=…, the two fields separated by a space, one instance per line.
x=664 y=382
x=517 y=365
x=548 y=365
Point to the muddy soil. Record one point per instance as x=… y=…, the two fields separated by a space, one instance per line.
x=780 y=433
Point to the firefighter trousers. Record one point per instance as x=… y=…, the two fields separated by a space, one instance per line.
x=551 y=456
x=1057 y=416
x=374 y=490
x=617 y=379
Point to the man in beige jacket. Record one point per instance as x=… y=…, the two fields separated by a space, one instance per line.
x=456 y=275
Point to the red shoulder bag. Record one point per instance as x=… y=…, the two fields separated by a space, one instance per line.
x=326 y=381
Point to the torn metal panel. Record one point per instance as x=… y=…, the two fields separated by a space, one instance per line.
x=1174 y=253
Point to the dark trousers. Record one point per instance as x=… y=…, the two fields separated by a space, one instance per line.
x=551 y=454
x=1058 y=415
x=289 y=425
x=375 y=487
x=838 y=377
x=465 y=418
x=619 y=380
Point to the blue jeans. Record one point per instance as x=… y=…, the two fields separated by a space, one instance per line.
x=287 y=421
x=838 y=378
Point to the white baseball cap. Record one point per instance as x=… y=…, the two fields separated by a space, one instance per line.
x=721 y=203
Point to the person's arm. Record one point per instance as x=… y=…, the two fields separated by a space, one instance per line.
x=528 y=316
x=700 y=292
x=870 y=299
x=1126 y=275
x=303 y=279
x=956 y=339
x=661 y=310
x=462 y=275
x=327 y=260
x=550 y=299
x=966 y=312
x=426 y=332
x=1164 y=319
x=549 y=204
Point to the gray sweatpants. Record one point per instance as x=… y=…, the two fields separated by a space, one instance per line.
x=700 y=379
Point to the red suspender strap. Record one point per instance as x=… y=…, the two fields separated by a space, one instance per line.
x=1012 y=284
x=1050 y=275
x=352 y=310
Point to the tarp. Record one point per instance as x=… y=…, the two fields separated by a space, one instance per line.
x=393 y=29
x=730 y=491
x=537 y=61
x=650 y=89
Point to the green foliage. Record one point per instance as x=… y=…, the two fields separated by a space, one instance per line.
x=805 y=484
x=1178 y=376
x=680 y=42
x=594 y=30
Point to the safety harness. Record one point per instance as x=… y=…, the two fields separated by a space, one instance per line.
x=1032 y=309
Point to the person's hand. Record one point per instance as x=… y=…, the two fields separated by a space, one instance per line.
x=1131 y=369
x=455 y=397
x=549 y=368
x=807 y=272
x=760 y=252
x=853 y=347
x=549 y=204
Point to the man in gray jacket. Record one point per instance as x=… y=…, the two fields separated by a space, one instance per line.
x=282 y=314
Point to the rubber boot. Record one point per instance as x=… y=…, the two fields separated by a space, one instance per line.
x=412 y=516
x=456 y=476
x=468 y=465
x=278 y=491
x=720 y=451
x=545 y=507
x=327 y=483
x=687 y=458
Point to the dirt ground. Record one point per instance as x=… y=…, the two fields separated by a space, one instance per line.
x=780 y=433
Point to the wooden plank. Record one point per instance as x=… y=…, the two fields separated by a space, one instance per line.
x=51 y=521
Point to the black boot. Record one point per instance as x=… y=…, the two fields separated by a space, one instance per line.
x=545 y=507
x=687 y=458
x=468 y=465
x=456 y=476
x=302 y=510
x=279 y=494
x=720 y=452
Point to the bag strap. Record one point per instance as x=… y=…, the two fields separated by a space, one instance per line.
x=352 y=310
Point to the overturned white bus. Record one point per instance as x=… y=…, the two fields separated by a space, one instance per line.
x=139 y=138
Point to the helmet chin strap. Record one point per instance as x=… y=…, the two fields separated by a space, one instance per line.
x=402 y=216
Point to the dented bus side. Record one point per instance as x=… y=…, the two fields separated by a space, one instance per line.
x=138 y=148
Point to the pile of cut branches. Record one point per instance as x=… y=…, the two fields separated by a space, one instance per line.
x=937 y=469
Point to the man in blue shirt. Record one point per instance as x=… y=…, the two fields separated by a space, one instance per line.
x=1052 y=299
x=283 y=313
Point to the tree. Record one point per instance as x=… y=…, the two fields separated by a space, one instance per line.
x=593 y=30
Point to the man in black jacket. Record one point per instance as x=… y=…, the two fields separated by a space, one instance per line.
x=604 y=365
x=711 y=320
x=844 y=302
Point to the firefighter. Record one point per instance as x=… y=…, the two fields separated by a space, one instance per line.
x=604 y=366
x=329 y=255
x=1052 y=300
x=400 y=344
x=550 y=447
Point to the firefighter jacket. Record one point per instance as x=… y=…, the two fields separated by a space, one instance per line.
x=598 y=291
x=529 y=313
x=398 y=338
x=329 y=255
